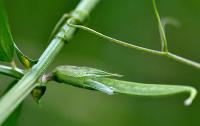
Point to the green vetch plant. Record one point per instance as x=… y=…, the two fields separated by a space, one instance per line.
x=33 y=79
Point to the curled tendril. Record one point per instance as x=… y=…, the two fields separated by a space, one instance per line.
x=69 y=22
x=164 y=52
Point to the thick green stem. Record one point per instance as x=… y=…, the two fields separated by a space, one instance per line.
x=16 y=95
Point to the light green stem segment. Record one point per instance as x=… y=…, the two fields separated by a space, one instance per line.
x=16 y=95
x=9 y=71
x=161 y=29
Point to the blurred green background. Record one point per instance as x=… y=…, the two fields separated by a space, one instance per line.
x=133 y=21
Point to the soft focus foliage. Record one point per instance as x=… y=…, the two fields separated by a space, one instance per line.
x=6 y=41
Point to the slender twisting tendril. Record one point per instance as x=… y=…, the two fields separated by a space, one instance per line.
x=113 y=40
x=160 y=53
x=161 y=29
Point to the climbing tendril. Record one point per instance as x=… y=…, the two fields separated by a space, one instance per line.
x=125 y=44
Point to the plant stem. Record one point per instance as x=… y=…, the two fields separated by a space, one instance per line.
x=142 y=49
x=161 y=29
x=183 y=60
x=125 y=44
x=15 y=96
x=9 y=71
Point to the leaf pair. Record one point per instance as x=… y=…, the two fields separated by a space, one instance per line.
x=95 y=79
x=7 y=46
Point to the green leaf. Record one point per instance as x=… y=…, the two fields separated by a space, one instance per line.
x=12 y=119
x=25 y=60
x=6 y=41
x=91 y=78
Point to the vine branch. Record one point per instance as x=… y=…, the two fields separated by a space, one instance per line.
x=155 y=52
x=16 y=95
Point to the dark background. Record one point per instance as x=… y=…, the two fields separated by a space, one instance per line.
x=133 y=21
